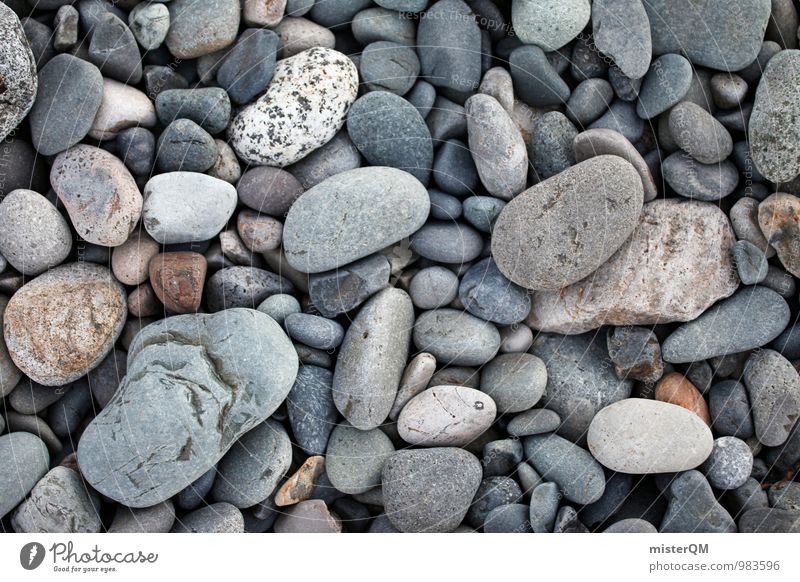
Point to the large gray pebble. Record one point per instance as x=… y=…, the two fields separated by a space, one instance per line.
x=579 y=477
x=59 y=503
x=456 y=338
x=243 y=287
x=549 y=24
x=433 y=287
x=774 y=389
x=312 y=330
x=18 y=71
x=516 y=382
x=486 y=293
x=693 y=508
x=622 y=32
x=697 y=133
x=24 y=460
x=355 y=458
x=388 y=66
x=447 y=242
x=667 y=82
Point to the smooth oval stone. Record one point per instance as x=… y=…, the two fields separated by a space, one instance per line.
x=533 y=421
x=631 y=525
x=312 y=412
x=241 y=286
x=376 y=24
x=729 y=407
x=751 y=262
x=456 y=338
x=18 y=70
x=770 y=520
x=774 y=128
x=429 y=490
x=683 y=277
x=693 y=507
x=355 y=458
x=447 y=242
x=302 y=109
x=573 y=223
x=497 y=147
x=208 y=107
x=59 y=503
x=744 y=219
x=444 y=206
x=389 y=131
x=25 y=460
x=580 y=380
x=249 y=66
x=388 y=66
x=545 y=499
x=482 y=211
x=509 y=518
x=252 y=468
x=182 y=207
x=123 y=107
x=157 y=519
x=665 y=84
x=297 y=34
x=454 y=172
x=487 y=294
x=579 y=477
x=269 y=190
x=535 y=80
x=589 y=100
x=193 y=495
x=322 y=231
x=446 y=416
x=730 y=463
x=549 y=24
x=450 y=56
x=69 y=95
x=217 y=518
x=433 y=287
x=622 y=118
x=190 y=35
x=113 y=49
x=99 y=193
x=312 y=330
x=184 y=145
x=90 y=306
x=712 y=34
x=751 y=318
x=335 y=157
x=698 y=134
x=33 y=235
x=550 y=148
x=310 y=516
x=184 y=403
x=515 y=382
x=622 y=32
x=372 y=359
x=640 y=437
x=345 y=288
x=774 y=389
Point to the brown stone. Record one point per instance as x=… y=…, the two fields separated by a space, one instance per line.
x=263 y=13
x=676 y=389
x=62 y=324
x=142 y=302
x=178 y=280
x=676 y=264
x=130 y=260
x=779 y=219
x=259 y=232
x=300 y=486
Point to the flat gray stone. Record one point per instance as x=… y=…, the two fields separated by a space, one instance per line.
x=697 y=133
x=693 y=508
x=549 y=24
x=456 y=338
x=190 y=35
x=156 y=519
x=217 y=518
x=665 y=84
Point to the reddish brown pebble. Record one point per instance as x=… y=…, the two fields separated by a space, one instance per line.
x=142 y=302
x=300 y=486
x=130 y=260
x=259 y=232
x=178 y=279
x=676 y=389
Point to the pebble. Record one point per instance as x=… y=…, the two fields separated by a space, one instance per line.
x=776 y=219
x=497 y=83
x=335 y=157
x=91 y=305
x=208 y=107
x=785 y=495
x=665 y=84
x=697 y=133
x=487 y=294
x=744 y=218
x=510 y=518
x=636 y=353
x=16 y=422
x=301 y=485
x=58 y=503
x=677 y=389
x=640 y=436
x=389 y=66
x=184 y=145
x=178 y=279
x=198 y=413
x=241 y=286
x=122 y=107
x=444 y=206
x=193 y=495
x=689 y=245
x=728 y=90
x=69 y=95
x=157 y=519
x=447 y=242
x=18 y=71
x=389 y=131
x=730 y=409
x=589 y=100
x=312 y=413
x=31 y=398
x=550 y=24
x=249 y=66
x=544 y=507
x=347 y=287
x=130 y=261
x=516 y=382
x=533 y=421
x=25 y=460
x=550 y=148
x=751 y=262
x=501 y=457
x=312 y=330
x=579 y=237
x=446 y=416
x=456 y=338
x=497 y=147
x=114 y=51
x=312 y=516
x=730 y=463
x=492 y=493
x=299 y=112
x=379 y=24
x=693 y=508
x=770 y=520
x=622 y=32
x=712 y=35
x=773 y=386
x=578 y=476
x=454 y=172
x=33 y=235
x=149 y=23
x=446 y=120
x=267 y=190
x=631 y=525
x=429 y=490
x=190 y=36
x=450 y=57
x=183 y=207
x=372 y=359
x=321 y=232
x=415 y=379
x=720 y=330
x=536 y=82
x=355 y=458
x=622 y=118
x=217 y=518
x=250 y=471
x=482 y=211
x=296 y=34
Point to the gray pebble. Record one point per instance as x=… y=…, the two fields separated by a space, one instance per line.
x=248 y=67
x=215 y=518
x=533 y=421
x=510 y=518
x=486 y=293
x=631 y=525
x=730 y=409
x=243 y=287
x=694 y=509
x=482 y=211
x=344 y=289
x=312 y=413
x=279 y=306
x=773 y=386
x=770 y=520
x=447 y=242
x=751 y=263
x=454 y=171
x=636 y=353
x=184 y=145
x=501 y=457
x=707 y=182
x=193 y=495
x=379 y=24
x=515 y=382
x=622 y=118
x=622 y=32
x=208 y=107
x=456 y=338
x=551 y=148
x=59 y=503
x=697 y=133
x=444 y=206
x=544 y=507
x=730 y=463
x=149 y=23
x=114 y=51
x=446 y=120
x=589 y=100
x=355 y=458
x=536 y=82
x=388 y=66
x=433 y=287
x=312 y=330
x=335 y=157
x=493 y=492
x=156 y=519
x=666 y=83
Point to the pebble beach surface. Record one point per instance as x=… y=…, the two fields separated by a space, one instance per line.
x=399 y=266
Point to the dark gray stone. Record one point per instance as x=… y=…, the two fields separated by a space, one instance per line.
x=312 y=413
x=636 y=353
x=136 y=147
x=550 y=148
x=192 y=496
x=751 y=262
x=730 y=463
x=666 y=83
x=379 y=24
x=456 y=337
x=501 y=457
x=697 y=133
x=113 y=49
x=241 y=286
x=534 y=421
x=773 y=386
x=215 y=518
x=694 y=509
x=510 y=518
x=482 y=211
x=347 y=287
x=248 y=67
x=492 y=493
x=579 y=477
x=622 y=118
x=208 y=107
x=446 y=120
x=447 y=242
x=536 y=82
x=454 y=170
x=185 y=146
x=730 y=409
x=707 y=182
x=486 y=293
x=444 y=206
x=25 y=460
x=355 y=458
x=770 y=520
x=389 y=66
x=312 y=330
x=589 y=100
x=544 y=507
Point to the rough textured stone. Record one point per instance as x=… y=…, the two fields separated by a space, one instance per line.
x=693 y=508
x=25 y=460
x=18 y=71
x=622 y=32
x=312 y=516
x=667 y=82
x=774 y=389
x=242 y=286
x=355 y=458
x=549 y=24
x=178 y=279
x=730 y=463
x=217 y=518
x=777 y=219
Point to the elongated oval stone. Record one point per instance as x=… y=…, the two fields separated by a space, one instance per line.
x=372 y=359
x=561 y=230
x=456 y=337
x=352 y=215
x=195 y=384
x=579 y=477
x=641 y=436
x=774 y=389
